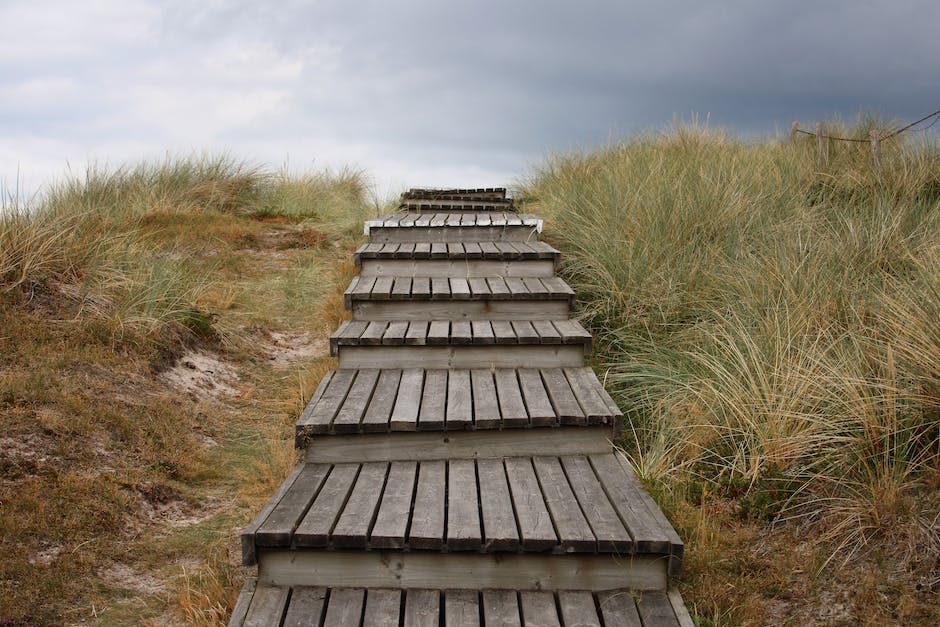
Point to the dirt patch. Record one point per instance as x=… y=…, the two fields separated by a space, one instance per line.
x=123 y=576
x=202 y=375
x=288 y=348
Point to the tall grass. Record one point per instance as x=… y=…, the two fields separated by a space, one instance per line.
x=770 y=326
x=85 y=238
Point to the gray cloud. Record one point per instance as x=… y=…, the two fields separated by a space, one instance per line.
x=426 y=92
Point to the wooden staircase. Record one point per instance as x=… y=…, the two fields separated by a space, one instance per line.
x=457 y=464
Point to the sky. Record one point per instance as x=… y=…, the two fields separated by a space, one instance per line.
x=435 y=93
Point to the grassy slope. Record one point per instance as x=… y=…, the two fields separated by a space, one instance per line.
x=122 y=489
x=773 y=331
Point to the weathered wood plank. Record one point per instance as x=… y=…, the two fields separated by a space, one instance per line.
x=422 y=608
x=439 y=332
x=345 y=607
x=278 y=528
x=417 y=334
x=427 y=518
x=500 y=608
x=395 y=333
x=243 y=602
x=408 y=404
x=248 y=540
x=306 y=606
x=377 y=415
x=433 y=401
x=383 y=606
x=461 y=332
x=535 y=523
x=605 y=523
x=486 y=414
x=320 y=416
x=391 y=523
x=350 y=414
x=267 y=606
x=539 y=407
x=459 y=400
x=511 y=407
x=587 y=391
x=314 y=529
x=655 y=609
x=499 y=522
x=538 y=609
x=373 y=334
x=352 y=529
x=574 y=533
x=618 y=608
x=463 y=517
x=577 y=608
x=503 y=333
x=566 y=406
x=461 y=607
x=482 y=331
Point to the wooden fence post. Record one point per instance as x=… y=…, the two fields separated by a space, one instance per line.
x=820 y=146
x=876 y=151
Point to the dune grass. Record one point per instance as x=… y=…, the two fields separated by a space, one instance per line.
x=771 y=328
x=121 y=492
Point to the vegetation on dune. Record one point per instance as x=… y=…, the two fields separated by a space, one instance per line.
x=121 y=488
x=771 y=328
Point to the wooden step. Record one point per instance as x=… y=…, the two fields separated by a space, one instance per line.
x=456 y=204
x=470 y=193
x=383 y=401
x=458 y=259
x=460 y=344
x=591 y=505
x=261 y=604
x=453 y=227
x=458 y=298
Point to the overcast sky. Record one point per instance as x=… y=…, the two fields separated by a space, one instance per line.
x=430 y=93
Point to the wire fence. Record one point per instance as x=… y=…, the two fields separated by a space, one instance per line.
x=874 y=138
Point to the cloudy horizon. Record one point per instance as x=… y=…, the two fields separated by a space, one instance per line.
x=425 y=93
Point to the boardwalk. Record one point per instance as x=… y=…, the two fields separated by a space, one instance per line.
x=457 y=464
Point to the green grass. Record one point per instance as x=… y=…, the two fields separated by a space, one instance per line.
x=770 y=327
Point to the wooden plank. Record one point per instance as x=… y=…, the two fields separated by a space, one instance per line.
x=422 y=250
x=574 y=533
x=391 y=522
x=546 y=331
x=323 y=413
x=402 y=287
x=433 y=401
x=655 y=609
x=439 y=332
x=585 y=391
x=601 y=515
x=482 y=331
x=572 y=332
x=350 y=414
x=314 y=529
x=278 y=528
x=535 y=523
x=479 y=287
x=267 y=606
x=490 y=249
x=625 y=493
x=440 y=288
x=511 y=407
x=461 y=332
x=382 y=290
x=306 y=606
x=377 y=414
x=678 y=606
x=345 y=607
x=420 y=287
x=405 y=250
x=535 y=287
x=438 y=250
x=248 y=540
x=499 y=523
x=557 y=285
x=460 y=310
x=577 y=608
x=361 y=286
x=463 y=516
x=408 y=403
x=500 y=608
x=383 y=607
x=538 y=609
x=517 y=288
x=563 y=400
x=422 y=608
x=442 y=571
x=372 y=336
x=463 y=356
x=243 y=602
x=537 y=403
x=472 y=250
x=461 y=608
x=525 y=332
x=459 y=288
x=352 y=529
x=347 y=333
x=503 y=333
x=498 y=287
x=427 y=518
x=395 y=333
x=486 y=413
x=618 y=608
x=459 y=413
x=455 y=249
x=478 y=443
x=417 y=334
